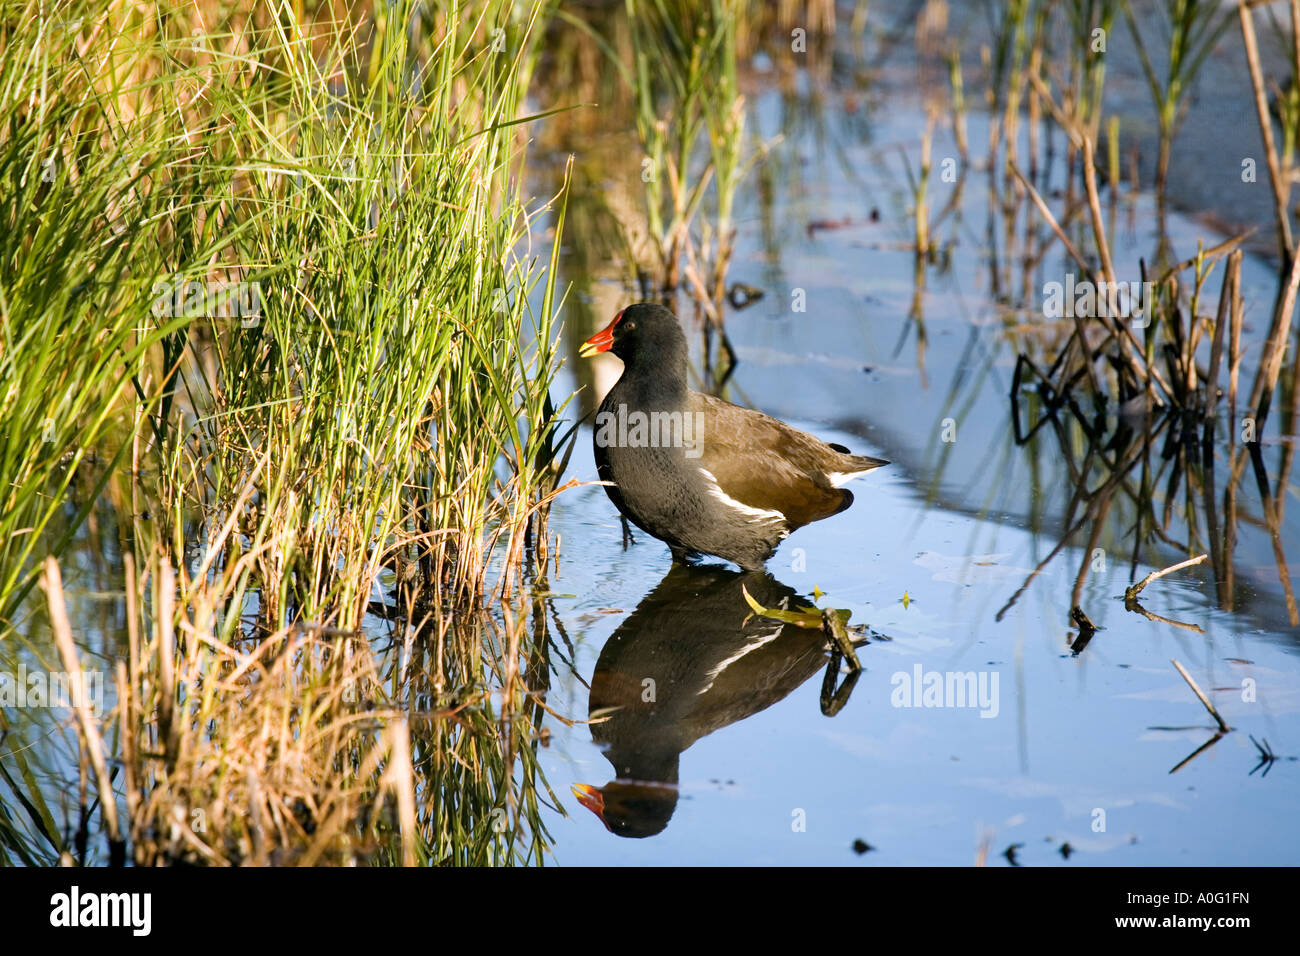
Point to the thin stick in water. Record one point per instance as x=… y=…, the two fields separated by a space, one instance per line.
x=52 y=585
x=1133 y=591
x=1201 y=696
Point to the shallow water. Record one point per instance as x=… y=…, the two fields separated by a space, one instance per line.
x=1076 y=755
x=1077 y=758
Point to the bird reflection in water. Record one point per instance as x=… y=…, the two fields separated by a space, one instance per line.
x=691 y=659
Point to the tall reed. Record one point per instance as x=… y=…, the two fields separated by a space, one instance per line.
x=379 y=400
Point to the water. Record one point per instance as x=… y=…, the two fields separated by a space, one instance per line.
x=715 y=719
x=1081 y=759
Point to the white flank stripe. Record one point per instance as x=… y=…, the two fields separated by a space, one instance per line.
x=755 y=513
x=757 y=642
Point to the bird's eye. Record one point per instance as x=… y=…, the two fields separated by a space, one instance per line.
x=629 y=326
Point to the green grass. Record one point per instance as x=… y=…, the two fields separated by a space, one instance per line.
x=392 y=389
x=1194 y=29
x=384 y=404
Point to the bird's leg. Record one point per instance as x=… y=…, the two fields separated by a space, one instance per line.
x=834 y=627
x=833 y=699
x=627 y=533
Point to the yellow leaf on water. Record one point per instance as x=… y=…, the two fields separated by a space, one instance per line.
x=809 y=617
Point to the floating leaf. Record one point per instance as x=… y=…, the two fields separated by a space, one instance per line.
x=802 y=617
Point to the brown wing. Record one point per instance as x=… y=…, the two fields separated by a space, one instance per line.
x=764 y=463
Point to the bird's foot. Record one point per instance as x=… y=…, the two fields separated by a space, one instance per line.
x=834 y=698
x=841 y=641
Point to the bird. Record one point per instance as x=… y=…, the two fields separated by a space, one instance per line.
x=703 y=475
x=653 y=695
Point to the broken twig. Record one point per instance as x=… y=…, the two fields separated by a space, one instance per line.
x=1201 y=695
x=1132 y=591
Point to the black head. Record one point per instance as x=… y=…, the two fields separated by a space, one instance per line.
x=630 y=808
x=642 y=334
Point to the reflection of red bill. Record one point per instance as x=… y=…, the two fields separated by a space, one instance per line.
x=587 y=795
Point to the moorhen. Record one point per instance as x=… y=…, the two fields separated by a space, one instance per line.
x=734 y=665
x=701 y=474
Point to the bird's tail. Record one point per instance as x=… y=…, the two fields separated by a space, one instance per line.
x=852 y=466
